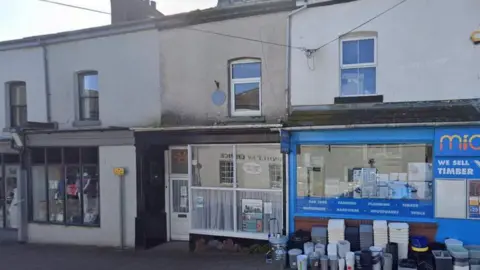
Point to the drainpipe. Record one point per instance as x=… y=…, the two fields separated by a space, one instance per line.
x=289 y=54
x=47 y=80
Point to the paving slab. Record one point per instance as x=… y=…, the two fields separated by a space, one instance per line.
x=48 y=257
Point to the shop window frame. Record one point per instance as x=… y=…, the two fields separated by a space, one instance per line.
x=63 y=166
x=237 y=232
x=400 y=135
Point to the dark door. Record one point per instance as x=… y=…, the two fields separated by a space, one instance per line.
x=151 y=222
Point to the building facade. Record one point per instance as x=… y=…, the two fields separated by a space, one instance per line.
x=378 y=106
x=77 y=116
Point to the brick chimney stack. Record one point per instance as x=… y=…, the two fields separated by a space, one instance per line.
x=133 y=10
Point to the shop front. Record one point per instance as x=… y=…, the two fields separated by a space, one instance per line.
x=362 y=175
x=209 y=183
x=425 y=176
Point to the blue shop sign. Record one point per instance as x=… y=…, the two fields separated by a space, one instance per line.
x=371 y=207
x=284 y=142
x=464 y=168
x=457 y=142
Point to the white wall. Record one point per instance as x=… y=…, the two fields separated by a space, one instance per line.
x=129 y=78
x=109 y=232
x=24 y=65
x=424 y=49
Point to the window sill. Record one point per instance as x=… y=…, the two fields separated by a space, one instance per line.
x=246 y=119
x=65 y=225
x=375 y=98
x=87 y=123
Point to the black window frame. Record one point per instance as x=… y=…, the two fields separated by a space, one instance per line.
x=64 y=165
x=15 y=109
x=82 y=97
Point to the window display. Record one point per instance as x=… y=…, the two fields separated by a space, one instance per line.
x=226 y=186
x=65 y=185
x=342 y=178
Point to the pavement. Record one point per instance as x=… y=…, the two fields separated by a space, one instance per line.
x=170 y=256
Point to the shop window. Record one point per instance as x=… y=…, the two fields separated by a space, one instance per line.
x=246 y=85
x=65 y=187
x=251 y=188
x=391 y=172
x=275 y=171
x=358 y=66
x=226 y=172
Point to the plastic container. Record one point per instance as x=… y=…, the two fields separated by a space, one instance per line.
x=302 y=262
x=308 y=248
x=453 y=242
x=319 y=235
x=324 y=262
x=474 y=264
x=387 y=261
x=473 y=251
x=443 y=260
x=320 y=249
x=343 y=248
x=332 y=249
x=458 y=252
x=341 y=264
x=350 y=260
x=333 y=262
x=314 y=261
x=292 y=257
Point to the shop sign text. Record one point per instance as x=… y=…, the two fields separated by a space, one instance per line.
x=457 y=142
x=457 y=168
x=375 y=207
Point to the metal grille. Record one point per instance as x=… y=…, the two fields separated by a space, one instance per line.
x=276 y=175
x=180 y=196
x=226 y=172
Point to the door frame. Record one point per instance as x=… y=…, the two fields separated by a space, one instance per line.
x=168 y=187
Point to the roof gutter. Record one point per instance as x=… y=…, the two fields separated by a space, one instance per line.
x=250 y=126
x=393 y=125
x=288 y=57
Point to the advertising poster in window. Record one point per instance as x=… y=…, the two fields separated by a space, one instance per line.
x=252 y=215
x=474 y=199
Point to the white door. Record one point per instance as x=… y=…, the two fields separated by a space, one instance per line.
x=179 y=192
x=179 y=212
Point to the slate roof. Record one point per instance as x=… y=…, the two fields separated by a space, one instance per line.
x=386 y=113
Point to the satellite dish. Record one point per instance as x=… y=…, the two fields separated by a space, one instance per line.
x=218 y=97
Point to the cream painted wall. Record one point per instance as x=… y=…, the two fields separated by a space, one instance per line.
x=109 y=232
x=191 y=62
x=23 y=65
x=129 y=78
x=424 y=51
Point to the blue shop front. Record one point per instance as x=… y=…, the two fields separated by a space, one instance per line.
x=426 y=176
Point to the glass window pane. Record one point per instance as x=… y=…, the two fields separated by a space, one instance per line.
x=56 y=193
x=89 y=93
x=401 y=171
x=368 y=81
x=350 y=82
x=350 y=52
x=89 y=108
x=54 y=155
x=37 y=155
x=212 y=166
x=72 y=155
x=367 y=51
x=179 y=161
x=246 y=70
x=253 y=215
x=89 y=155
x=73 y=189
x=358 y=81
x=212 y=209
x=247 y=96
x=18 y=94
x=259 y=167
x=89 y=84
x=39 y=193
x=12 y=174
x=91 y=195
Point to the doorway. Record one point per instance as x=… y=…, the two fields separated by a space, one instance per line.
x=178 y=186
x=9 y=174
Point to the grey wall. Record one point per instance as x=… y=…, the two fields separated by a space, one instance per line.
x=192 y=60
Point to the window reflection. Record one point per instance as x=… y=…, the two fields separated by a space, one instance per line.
x=365 y=171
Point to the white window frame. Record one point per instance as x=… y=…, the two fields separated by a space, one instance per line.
x=234 y=188
x=362 y=65
x=233 y=81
